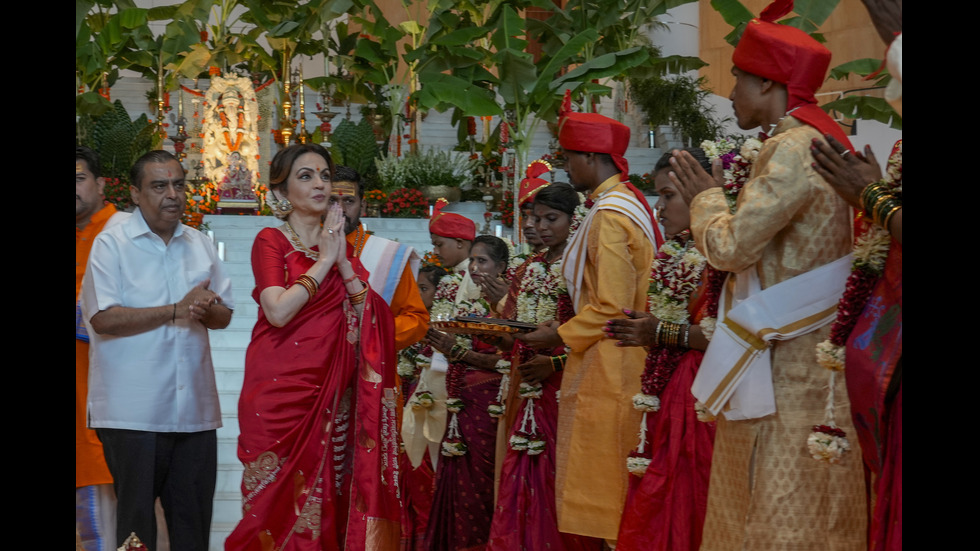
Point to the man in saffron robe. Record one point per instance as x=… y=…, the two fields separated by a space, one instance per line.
x=94 y=497
x=393 y=266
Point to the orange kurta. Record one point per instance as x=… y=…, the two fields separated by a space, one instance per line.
x=596 y=422
x=90 y=467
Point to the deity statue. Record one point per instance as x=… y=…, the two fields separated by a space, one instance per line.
x=231 y=141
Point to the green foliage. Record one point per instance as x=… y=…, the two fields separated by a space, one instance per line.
x=430 y=167
x=866 y=108
x=354 y=146
x=118 y=140
x=863 y=68
x=677 y=101
x=810 y=15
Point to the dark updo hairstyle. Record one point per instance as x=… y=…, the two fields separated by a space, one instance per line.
x=559 y=196
x=282 y=163
x=695 y=152
x=497 y=249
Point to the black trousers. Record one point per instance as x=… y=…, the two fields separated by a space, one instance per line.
x=178 y=467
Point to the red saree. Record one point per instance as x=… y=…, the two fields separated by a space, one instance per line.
x=317 y=415
x=874 y=385
x=665 y=508
x=525 y=516
x=462 y=506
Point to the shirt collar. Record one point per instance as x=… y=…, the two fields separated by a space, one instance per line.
x=137 y=226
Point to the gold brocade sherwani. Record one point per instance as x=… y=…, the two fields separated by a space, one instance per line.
x=766 y=492
x=596 y=420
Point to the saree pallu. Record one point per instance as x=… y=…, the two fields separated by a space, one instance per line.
x=462 y=506
x=874 y=385
x=665 y=508
x=317 y=415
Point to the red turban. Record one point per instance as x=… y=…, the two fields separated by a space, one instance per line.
x=451 y=225
x=595 y=133
x=531 y=184
x=789 y=56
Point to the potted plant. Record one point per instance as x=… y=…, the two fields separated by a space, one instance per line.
x=436 y=173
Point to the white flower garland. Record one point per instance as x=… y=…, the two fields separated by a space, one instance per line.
x=542 y=283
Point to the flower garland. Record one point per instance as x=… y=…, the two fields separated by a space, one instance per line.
x=737 y=157
x=411 y=362
x=452 y=444
x=542 y=284
x=675 y=275
x=444 y=300
x=542 y=297
x=736 y=160
x=827 y=442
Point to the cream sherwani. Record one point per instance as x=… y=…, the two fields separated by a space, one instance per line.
x=766 y=492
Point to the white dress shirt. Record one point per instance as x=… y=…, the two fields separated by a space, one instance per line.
x=161 y=380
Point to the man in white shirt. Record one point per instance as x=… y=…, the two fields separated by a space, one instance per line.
x=152 y=290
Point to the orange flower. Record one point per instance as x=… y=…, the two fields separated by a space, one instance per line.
x=212 y=71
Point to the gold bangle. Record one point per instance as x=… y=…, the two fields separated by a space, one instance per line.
x=309 y=283
x=359 y=296
x=886 y=223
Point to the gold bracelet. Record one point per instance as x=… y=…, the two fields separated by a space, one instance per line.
x=309 y=283
x=886 y=223
x=358 y=297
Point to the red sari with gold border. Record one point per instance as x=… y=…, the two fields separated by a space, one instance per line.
x=317 y=416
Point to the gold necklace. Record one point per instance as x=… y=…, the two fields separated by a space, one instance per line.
x=298 y=243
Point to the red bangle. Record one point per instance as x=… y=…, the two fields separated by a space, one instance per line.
x=350 y=279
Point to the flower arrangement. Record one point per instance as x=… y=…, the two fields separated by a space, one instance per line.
x=506 y=209
x=430 y=259
x=192 y=219
x=643 y=182
x=375 y=196
x=117 y=192
x=406 y=203
x=203 y=199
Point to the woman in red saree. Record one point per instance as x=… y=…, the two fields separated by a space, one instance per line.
x=667 y=499
x=317 y=409
x=462 y=507
x=866 y=338
x=525 y=516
